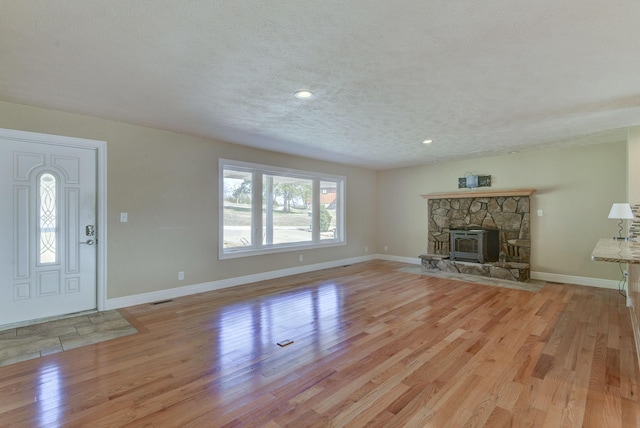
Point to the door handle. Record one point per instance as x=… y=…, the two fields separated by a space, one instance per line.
x=88 y=242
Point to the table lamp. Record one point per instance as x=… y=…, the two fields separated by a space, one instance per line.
x=621 y=212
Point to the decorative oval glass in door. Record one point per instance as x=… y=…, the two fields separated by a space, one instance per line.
x=48 y=220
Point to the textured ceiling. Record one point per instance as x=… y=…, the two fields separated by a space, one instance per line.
x=479 y=78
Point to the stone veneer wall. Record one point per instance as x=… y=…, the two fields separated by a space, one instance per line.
x=634 y=229
x=510 y=215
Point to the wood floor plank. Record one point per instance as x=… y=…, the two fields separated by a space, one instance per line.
x=372 y=346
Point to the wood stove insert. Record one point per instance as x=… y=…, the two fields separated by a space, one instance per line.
x=479 y=246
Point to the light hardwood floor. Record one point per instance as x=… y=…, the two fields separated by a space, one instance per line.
x=371 y=347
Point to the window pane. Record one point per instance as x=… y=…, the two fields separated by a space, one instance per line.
x=329 y=210
x=237 y=208
x=48 y=221
x=268 y=209
x=286 y=216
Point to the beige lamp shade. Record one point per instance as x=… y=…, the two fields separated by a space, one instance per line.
x=621 y=211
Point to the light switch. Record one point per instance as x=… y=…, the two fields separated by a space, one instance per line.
x=124 y=217
x=540 y=213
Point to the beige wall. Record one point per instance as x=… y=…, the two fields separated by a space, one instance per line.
x=575 y=189
x=167 y=183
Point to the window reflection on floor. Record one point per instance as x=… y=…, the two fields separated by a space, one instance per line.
x=49 y=395
x=248 y=330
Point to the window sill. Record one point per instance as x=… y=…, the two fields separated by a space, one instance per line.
x=239 y=252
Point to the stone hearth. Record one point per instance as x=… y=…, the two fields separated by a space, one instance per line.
x=510 y=271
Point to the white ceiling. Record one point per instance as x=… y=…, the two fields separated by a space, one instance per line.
x=478 y=77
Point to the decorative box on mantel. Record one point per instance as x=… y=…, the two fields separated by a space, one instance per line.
x=507 y=211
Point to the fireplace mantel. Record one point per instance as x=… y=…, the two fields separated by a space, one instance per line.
x=481 y=194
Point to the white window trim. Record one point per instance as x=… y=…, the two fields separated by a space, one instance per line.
x=259 y=170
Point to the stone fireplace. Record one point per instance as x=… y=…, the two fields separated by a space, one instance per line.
x=505 y=215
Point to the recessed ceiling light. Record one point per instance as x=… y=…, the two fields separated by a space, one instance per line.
x=304 y=94
x=427 y=142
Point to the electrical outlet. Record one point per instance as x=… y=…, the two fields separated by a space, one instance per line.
x=366 y=249
x=625 y=273
x=301 y=257
x=386 y=248
x=180 y=276
x=124 y=217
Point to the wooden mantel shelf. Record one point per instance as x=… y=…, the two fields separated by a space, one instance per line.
x=481 y=194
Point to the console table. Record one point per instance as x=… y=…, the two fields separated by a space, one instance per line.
x=619 y=251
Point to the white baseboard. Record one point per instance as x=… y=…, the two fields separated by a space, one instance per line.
x=171 y=293
x=411 y=260
x=542 y=276
x=577 y=280
x=636 y=330
x=155 y=296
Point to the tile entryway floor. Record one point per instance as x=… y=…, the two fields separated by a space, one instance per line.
x=37 y=340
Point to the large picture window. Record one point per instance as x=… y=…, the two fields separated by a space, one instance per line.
x=268 y=209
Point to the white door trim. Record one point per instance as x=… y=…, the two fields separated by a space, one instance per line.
x=101 y=199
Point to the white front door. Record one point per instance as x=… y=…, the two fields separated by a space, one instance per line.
x=48 y=229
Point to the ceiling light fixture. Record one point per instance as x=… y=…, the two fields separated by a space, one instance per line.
x=303 y=94
x=427 y=142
